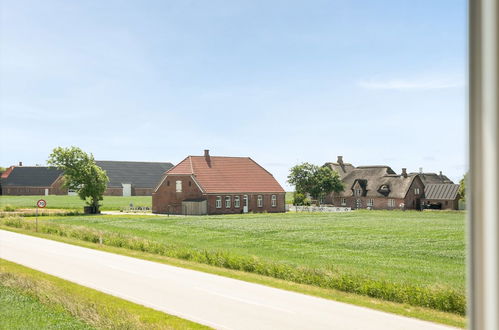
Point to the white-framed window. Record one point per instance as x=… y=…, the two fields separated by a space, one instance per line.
x=260 y=201
x=416 y=191
x=370 y=202
x=343 y=201
x=358 y=192
x=391 y=202
x=237 y=202
x=227 y=202
x=178 y=186
x=218 y=202
x=274 y=200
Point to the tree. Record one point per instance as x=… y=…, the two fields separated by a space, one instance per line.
x=315 y=180
x=81 y=174
x=462 y=187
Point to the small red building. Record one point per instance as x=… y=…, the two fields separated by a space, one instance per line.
x=217 y=185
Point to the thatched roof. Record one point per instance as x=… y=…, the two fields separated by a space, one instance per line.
x=379 y=181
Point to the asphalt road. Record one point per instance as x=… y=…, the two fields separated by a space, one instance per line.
x=216 y=301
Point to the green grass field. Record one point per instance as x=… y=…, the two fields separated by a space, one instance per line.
x=23 y=311
x=74 y=202
x=426 y=248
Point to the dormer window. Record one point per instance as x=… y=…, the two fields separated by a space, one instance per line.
x=358 y=192
x=384 y=189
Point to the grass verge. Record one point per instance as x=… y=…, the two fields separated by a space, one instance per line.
x=328 y=293
x=23 y=311
x=85 y=307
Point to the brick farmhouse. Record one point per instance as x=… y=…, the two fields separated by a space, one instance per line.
x=125 y=179
x=379 y=187
x=217 y=185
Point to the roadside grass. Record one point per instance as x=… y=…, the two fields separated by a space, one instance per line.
x=406 y=257
x=422 y=313
x=60 y=300
x=110 y=203
x=23 y=311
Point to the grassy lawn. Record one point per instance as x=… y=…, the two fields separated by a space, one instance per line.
x=74 y=202
x=424 y=248
x=23 y=311
x=33 y=300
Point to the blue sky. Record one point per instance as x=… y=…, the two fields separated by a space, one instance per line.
x=379 y=82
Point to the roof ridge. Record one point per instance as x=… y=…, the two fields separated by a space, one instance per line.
x=190 y=161
x=175 y=166
x=132 y=161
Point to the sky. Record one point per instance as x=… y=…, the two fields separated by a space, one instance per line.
x=283 y=82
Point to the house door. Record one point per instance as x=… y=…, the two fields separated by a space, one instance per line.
x=245 y=203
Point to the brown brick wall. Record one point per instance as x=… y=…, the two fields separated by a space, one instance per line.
x=57 y=187
x=28 y=191
x=446 y=204
x=379 y=203
x=167 y=200
x=252 y=203
x=412 y=200
x=142 y=191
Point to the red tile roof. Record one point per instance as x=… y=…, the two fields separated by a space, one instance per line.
x=228 y=174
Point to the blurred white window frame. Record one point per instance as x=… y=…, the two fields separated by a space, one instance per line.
x=483 y=180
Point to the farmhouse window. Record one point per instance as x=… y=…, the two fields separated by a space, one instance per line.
x=237 y=201
x=260 y=201
x=343 y=201
x=218 y=202
x=274 y=200
x=227 y=202
x=391 y=202
x=416 y=191
x=178 y=186
x=358 y=192
x=370 y=202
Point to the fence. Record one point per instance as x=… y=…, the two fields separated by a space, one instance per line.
x=325 y=209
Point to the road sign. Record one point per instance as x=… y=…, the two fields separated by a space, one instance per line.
x=41 y=203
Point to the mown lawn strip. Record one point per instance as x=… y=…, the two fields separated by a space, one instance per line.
x=92 y=307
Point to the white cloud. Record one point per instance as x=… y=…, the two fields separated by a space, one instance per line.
x=413 y=84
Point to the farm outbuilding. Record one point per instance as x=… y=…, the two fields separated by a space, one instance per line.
x=126 y=178
x=32 y=180
x=442 y=196
x=218 y=185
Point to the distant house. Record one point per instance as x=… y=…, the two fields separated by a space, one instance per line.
x=132 y=178
x=32 y=180
x=380 y=187
x=217 y=185
x=125 y=179
x=375 y=187
x=442 y=196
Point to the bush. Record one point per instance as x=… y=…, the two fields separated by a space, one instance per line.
x=9 y=208
x=300 y=199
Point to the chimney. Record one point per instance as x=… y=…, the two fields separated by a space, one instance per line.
x=207 y=157
x=340 y=160
x=420 y=170
x=404 y=172
x=20 y=163
x=440 y=173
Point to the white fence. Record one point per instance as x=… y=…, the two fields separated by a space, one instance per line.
x=326 y=209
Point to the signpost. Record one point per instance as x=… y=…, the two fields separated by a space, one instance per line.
x=40 y=204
